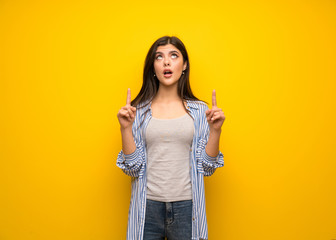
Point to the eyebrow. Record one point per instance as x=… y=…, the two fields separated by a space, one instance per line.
x=174 y=51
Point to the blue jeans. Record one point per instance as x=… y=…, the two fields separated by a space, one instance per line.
x=168 y=219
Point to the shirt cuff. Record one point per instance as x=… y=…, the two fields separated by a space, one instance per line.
x=128 y=158
x=209 y=158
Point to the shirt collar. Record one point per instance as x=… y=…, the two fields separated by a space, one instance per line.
x=192 y=104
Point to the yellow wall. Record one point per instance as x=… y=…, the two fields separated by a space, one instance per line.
x=65 y=67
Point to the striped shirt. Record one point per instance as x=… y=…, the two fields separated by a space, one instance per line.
x=201 y=163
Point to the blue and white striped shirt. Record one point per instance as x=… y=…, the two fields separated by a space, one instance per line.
x=201 y=163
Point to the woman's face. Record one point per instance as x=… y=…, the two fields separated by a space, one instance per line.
x=168 y=64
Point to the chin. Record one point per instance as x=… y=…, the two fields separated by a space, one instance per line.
x=168 y=82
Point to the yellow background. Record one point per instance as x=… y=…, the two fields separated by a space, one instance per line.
x=65 y=67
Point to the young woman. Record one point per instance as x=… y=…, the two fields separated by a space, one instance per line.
x=170 y=141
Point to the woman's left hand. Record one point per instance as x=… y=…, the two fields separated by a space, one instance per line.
x=215 y=115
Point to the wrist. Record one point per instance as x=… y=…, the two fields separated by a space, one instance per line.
x=126 y=129
x=215 y=131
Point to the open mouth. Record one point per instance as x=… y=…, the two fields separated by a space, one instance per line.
x=166 y=73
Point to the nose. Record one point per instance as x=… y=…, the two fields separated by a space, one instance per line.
x=166 y=62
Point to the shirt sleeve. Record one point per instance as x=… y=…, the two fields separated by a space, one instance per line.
x=211 y=163
x=131 y=164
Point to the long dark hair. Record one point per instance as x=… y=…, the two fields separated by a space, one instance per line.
x=150 y=83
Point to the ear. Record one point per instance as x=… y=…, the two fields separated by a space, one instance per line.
x=185 y=66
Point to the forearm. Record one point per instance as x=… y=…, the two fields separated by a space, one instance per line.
x=128 y=144
x=212 y=147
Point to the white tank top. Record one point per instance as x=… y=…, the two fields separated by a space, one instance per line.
x=168 y=162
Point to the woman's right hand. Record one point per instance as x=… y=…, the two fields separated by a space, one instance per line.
x=126 y=114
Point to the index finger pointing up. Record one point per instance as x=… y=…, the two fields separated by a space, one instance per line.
x=214 y=101
x=128 y=100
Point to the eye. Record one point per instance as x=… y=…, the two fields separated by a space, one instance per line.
x=158 y=57
x=174 y=55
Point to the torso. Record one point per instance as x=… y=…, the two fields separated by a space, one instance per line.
x=168 y=173
x=168 y=158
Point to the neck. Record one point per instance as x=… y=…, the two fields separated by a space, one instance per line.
x=167 y=94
